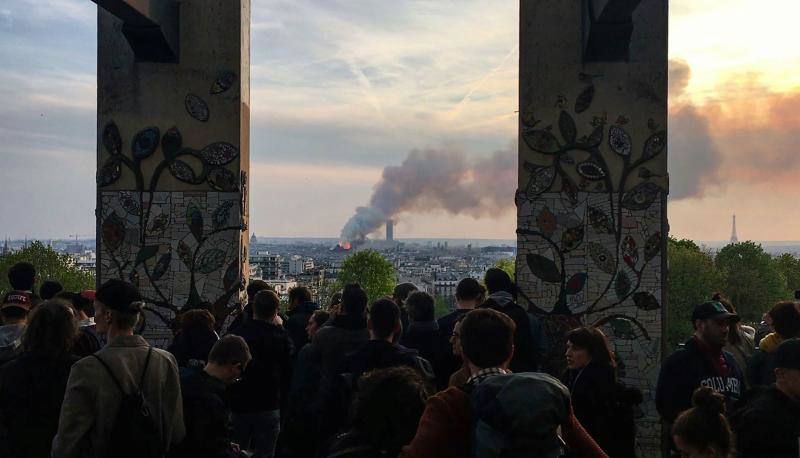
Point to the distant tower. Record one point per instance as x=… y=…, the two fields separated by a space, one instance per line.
x=6 y=249
x=253 y=239
x=389 y=230
x=734 y=238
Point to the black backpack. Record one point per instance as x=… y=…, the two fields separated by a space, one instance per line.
x=134 y=434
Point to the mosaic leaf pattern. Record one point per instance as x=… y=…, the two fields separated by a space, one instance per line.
x=601 y=257
x=546 y=222
x=112 y=140
x=571 y=238
x=541 y=179
x=185 y=254
x=622 y=284
x=542 y=141
x=129 y=203
x=623 y=328
x=654 y=145
x=161 y=267
x=619 y=141
x=109 y=172
x=210 y=260
x=145 y=142
x=576 y=283
x=630 y=253
x=590 y=170
x=159 y=224
x=222 y=179
x=222 y=214
x=223 y=82
x=600 y=221
x=219 y=153
x=645 y=301
x=171 y=142
x=641 y=196
x=182 y=171
x=145 y=253
x=595 y=138
x=194 y=219
x=652 y=246
x=113 y=230
x=545 y=269
x=584 y=100
x=566 y=125
x=231 y=275
x=196 y=107
x=569 y=188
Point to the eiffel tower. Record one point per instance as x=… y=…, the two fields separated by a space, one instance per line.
x=734 y=238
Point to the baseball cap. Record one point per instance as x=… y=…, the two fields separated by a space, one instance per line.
x=787 y=355
x=18 y=299
x=712 y=309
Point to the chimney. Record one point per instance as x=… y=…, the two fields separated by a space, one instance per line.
x=389 y=230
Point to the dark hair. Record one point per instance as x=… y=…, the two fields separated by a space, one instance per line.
x=22 y=275
x=735 y=334
x=197 y=319
x=498 y=280
x=320 y=317
x=354 y=299
x=78 y=302
x=704 y=425
x=299 y=294
x=420 y=306
x=470 y=289
x=336 y=299
x=122 y=299
x=266 y=304
x=384 y=315
x=230 y=349
x=487 y=337
x=785 y=319
x=49 y=289
x=595 y=343
x=388 y=422
x=402 y=291
x=51 y=330
x=255 y=286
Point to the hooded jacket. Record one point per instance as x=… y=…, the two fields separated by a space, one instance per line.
x=687 y=369
x=767 y=425
x=426 y=338
x=298 y=319
x=526 y=354
x=10 y=341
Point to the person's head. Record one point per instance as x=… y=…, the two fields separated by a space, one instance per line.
x=787 y=368
x=49 y=289
x=469 y=293
x=588 y=344
x=228 y=358
x=15 y=307
x=487 y=338
x=315 y=321
x=299 y=295
x=420 y=306
x=455 y=338
x=712 y=323
x=254 y=287
x=402 y=291
x=51 y=329
x=498 y=280
x=703 y=431
x=384 y=320
x=198 y=319
x=354 y=300
x=335 y=302
x=22 y=276
x=117 y=307
x=81 y=305
x=388 y=422
x=785 y=319
x=734 y=335
x=266 y=305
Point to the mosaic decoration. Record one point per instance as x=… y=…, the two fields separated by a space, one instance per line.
x=196 y=107
x=590 y=236
x=223 y=83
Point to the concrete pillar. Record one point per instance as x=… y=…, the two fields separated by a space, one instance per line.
x=173 y=158
x=591 y=203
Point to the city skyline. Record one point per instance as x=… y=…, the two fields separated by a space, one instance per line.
x=339 y=92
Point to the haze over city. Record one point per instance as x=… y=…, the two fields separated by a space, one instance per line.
x=341 y=90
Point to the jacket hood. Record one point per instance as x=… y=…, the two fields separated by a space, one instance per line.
x=502 y=298
x=770 y=343
x=10 y=334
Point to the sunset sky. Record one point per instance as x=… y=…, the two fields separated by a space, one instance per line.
x=341 y=89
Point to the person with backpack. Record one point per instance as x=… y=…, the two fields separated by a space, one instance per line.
x=497 y=413
x=205 y=405
x=125 y=400
x=527 y=354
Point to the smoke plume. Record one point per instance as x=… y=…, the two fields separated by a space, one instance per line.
x=439 y=180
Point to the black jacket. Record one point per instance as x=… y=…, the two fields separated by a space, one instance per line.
x=604 y=407
x=378 y=354
x=296 y=324
x=191 y=346
x=526 y=354
x=431 y=344
x=768 y=425
x=32 y=389
x=687 y=369
x=266 y=380
x=205 y=414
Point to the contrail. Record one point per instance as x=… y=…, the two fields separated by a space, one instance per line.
x=457 y=109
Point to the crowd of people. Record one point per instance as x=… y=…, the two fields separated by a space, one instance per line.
x=361 y=380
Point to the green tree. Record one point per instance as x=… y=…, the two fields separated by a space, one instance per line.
x=50 y=265
x=508 y=265
x=753 y=280
x=790 y=268
x=692 y=279
x=371 y=270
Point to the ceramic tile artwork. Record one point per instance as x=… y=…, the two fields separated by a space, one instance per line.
x=187 y=256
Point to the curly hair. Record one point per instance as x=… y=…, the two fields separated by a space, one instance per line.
x=51 y=330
